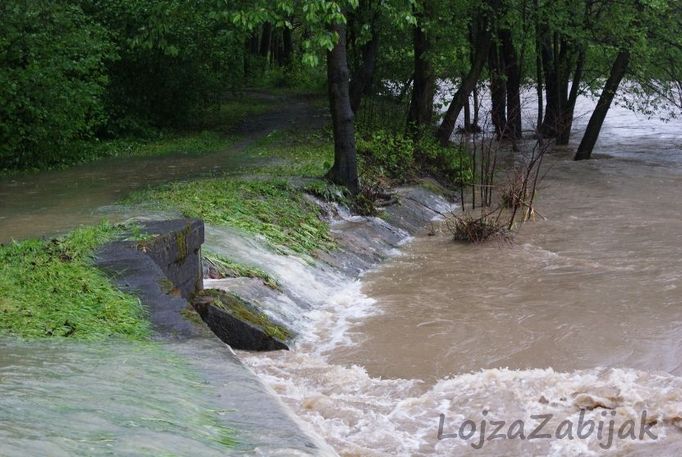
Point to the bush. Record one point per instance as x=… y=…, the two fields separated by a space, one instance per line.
x=397 y=158
x=175 y=57
x=52 y=79
x=472 y=229
x=452 y=164
x=388 y=155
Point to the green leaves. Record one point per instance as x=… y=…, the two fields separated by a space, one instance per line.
x=52 y=79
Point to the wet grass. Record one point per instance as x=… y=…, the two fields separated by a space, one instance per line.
x=227 y=268
x=301 y=154
x=214 y=130
x=197 y=143
x=271 y=207
x=51 y=289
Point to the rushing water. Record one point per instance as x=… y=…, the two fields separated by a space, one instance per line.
x=581 y=311
x=105 y=399
x=118 y=398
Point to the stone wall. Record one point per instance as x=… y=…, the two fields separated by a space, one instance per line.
x=163 y=271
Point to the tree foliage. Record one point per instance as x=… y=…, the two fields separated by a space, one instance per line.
x=52 y=79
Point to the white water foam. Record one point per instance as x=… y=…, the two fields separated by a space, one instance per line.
x=363 y=416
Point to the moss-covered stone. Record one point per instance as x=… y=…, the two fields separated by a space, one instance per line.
x=239 y=323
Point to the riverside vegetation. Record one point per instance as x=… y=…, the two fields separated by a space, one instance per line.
x=80 y=81
x=50 y=288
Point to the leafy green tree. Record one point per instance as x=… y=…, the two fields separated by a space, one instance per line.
x=175 y=57
x=52 y=80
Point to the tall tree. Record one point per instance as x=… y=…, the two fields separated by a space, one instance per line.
x=423 y=88
x=482 y=41
x=498 y=90
x=512 y=70
x=618 y=69
x=366 y=18
x=344 y=171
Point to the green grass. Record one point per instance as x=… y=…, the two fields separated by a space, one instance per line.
x=51 y=289
x=214 y=130
x=228 y=268
x=204 y=142
x=307 y=154
x=231 y=112
x=270 y=207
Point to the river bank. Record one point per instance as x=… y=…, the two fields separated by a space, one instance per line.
x=270 y=206
x=470 y=332
x=579 y=313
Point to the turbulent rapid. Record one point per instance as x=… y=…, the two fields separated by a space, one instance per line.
x=580 y=313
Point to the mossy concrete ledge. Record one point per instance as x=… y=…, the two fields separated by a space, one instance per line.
x=238 y=323
x=163 y=268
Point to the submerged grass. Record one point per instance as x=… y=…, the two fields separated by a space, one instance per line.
x=227 y=268
x=271 y=207
x=51 y=289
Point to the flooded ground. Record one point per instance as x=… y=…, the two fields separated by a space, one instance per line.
x=105 y=399
x=51 y=202
x=582 y=311
x=118 y=398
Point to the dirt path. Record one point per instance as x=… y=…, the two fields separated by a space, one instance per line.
x=47 y=203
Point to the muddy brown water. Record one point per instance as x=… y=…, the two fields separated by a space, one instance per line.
x=583 y=310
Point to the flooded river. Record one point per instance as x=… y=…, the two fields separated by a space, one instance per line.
x=581 y=311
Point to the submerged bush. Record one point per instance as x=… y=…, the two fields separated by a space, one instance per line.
x=468 y=227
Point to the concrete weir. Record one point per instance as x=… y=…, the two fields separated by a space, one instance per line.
x=164 y=271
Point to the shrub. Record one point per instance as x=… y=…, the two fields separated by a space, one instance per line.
x=450 y=162
x=174 y=58
x=52 y=79
x=467 y=227
x=387 y=155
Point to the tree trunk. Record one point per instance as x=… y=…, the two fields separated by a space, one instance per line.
x=287 y=46
x=467 y=116
x=461 y=97
x=553 y=106
x=266 y=39
x=620 y=66
x=498 y=92
x=475 y=126
x=538 y=68
x=513 y=74
x=568 y=109
x=361 y=82
x=423 y=87
x=344 y=172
